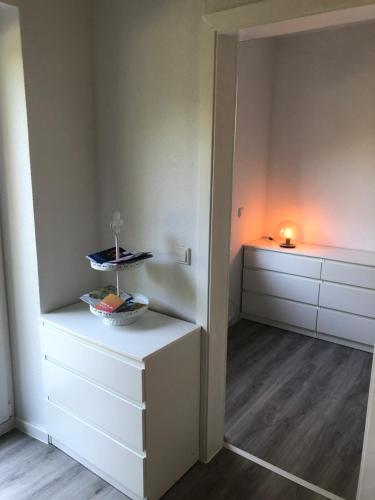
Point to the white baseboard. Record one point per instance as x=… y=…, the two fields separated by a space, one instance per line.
x=7 y=426
x=32 y=430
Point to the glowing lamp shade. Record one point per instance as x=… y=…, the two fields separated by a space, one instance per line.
x=288 y=233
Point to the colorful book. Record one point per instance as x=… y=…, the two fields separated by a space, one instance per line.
x=96 y=296
x=110 y=303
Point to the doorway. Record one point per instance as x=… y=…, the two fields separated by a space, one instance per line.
x=304 y=128
x=220 y=205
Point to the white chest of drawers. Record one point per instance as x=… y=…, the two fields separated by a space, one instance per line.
x=315 y=290
x=124 y=401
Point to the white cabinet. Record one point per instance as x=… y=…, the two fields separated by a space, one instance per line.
x=281 y=288
x=103 y=455
x=348 y=299
x=282 y=262
x=312 y=290
x=281 y=285
x=349 y=274
x=124 y=401
x=102 y=367
x=93 y=404
x=346 y=326
x=281 y=310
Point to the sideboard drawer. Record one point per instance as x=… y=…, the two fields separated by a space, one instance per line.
x=285 y=263
x=96 y=448
x=347 y=326
x=349 y=274
x=96 y=365
x=110 y=413
x=281 y=285
x=348 y=299
x=281 y=310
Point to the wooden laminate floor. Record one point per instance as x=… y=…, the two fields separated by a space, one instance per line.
x=30 y=470
x=298 y=403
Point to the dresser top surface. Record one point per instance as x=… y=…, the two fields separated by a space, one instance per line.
x=150 y=334
x=318 y=251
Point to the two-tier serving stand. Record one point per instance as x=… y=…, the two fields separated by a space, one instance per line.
x=125 y=317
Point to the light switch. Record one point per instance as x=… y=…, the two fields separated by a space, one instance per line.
x=183 y=255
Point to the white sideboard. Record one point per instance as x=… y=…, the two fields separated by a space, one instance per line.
x=123 y=401
x=315 y=290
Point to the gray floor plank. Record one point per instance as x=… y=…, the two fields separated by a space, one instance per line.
x=298 y=403
x=231 y=477
x=30 y=470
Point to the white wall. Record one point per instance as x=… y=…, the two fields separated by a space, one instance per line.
x=147 y=113
x=322 y=168
x=304 y=141
x=252 y=145
x=17 y=222
x=56 y=209
x=57 y=44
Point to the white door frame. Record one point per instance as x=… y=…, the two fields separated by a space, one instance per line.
x=219 y=34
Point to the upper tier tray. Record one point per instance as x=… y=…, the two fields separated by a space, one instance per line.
x=125 y=266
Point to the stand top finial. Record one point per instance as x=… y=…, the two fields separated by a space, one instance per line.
x=116 y=223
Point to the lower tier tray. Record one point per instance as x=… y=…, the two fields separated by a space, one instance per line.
x=141 y=303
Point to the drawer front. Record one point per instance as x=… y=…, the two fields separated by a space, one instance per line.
x=281 y=310
x=348 y=299
x=349 y=274
x=96 y=448
x=118 y=418
x=95 y=364
x=346 y=326
x=281 y=285
x=285 y=263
